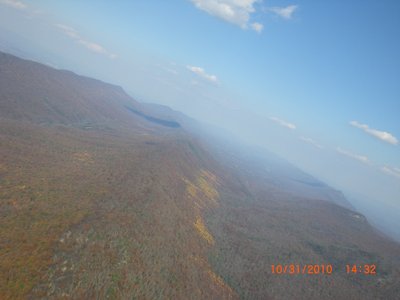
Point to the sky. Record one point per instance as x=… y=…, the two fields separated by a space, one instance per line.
x=317 y=82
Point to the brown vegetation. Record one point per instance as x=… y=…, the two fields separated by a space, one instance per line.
x=98 y=203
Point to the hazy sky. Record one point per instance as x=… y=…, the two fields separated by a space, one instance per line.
x=317 y=82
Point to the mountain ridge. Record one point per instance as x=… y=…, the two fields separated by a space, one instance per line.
x=99 y=202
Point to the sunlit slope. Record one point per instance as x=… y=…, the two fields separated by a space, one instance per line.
x=89 y=215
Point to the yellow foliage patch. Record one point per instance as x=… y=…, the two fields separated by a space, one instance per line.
x=203 y=193
x=204 y=189
x=208 y=190
x=202 y=230
x=191 y=189
x=214 y=277
x=219 y=281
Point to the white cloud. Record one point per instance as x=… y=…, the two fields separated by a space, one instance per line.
x=233 y=11
x=283 y=123
x=257 y=27
x=393 y=171
x=310 y=141
x=14 y=3
x=382 y=135
x=284 y=12
x=358 y=157
x=94 y=47
x=68 y=31
x=202 y=73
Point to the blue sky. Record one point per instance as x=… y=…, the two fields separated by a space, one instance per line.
x=317 y=82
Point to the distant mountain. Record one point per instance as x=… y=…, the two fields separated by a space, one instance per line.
x=268 y=169
x=32 y=92
x=103 y=197
x=255 y=163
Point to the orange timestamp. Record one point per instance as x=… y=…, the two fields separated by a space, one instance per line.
x=366 y=269
x=321 y=269
x=309 y=269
